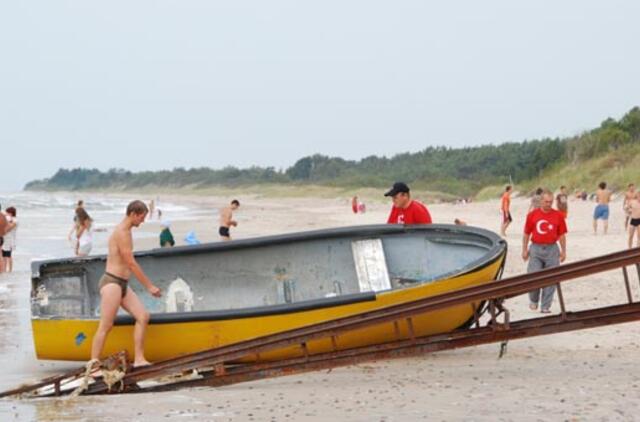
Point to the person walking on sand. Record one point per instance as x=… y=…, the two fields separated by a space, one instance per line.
x=545 y=228
x=562 y=202
x=629 y=195
x=114 y=289
x=634 y=221
x=9 y=238
x=504 y=209
x=601 y=211
x=227 y=221
x=406 y=210
x=535 y=200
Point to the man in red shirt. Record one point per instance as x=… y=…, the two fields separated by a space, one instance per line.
x=546 y=228
x=406 y=210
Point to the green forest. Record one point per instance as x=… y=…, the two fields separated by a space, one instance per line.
x=461 y=171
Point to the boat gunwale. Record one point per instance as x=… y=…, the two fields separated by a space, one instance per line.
x=495 y=251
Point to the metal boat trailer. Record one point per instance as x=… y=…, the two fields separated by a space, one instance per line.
x=219 y=366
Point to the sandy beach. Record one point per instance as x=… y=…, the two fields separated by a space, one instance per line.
x=583 y=375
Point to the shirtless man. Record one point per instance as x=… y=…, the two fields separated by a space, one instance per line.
x=629 y=195
x=504 y=209
x=634 y=221
x=226 y=220
x=601 y=212
x=115 y=292
x=3 y=227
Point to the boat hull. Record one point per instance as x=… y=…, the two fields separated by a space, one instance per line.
x=70 y=339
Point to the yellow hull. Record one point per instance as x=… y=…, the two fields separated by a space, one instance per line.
x=71 y=339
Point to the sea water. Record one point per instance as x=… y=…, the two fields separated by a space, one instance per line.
x=45 y=221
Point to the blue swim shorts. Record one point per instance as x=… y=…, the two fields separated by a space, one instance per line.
x=601 y=212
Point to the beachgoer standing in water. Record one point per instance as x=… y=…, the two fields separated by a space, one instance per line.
x=601 y=211
x=226 y=220
x=84 y=232
x=634 y=221
x=629 y=196
x=546 y=228
x=114 y=289
x=406 y=210
x=504 y=208
x=3 y=226
x=9 y=239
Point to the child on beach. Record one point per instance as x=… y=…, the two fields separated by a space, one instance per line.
x=166 y=237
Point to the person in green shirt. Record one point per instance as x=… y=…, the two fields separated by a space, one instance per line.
x=166 y=238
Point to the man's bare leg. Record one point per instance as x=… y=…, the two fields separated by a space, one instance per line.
x=606 y=226
x=132 y=304
x=595 y=226
x=631 y=232
x=110 y=297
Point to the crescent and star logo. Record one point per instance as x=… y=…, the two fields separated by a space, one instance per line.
x=540 y=227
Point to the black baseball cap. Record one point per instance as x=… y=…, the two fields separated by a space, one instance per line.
x=398 y=187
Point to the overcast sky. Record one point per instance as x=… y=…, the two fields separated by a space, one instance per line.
x=160 y=84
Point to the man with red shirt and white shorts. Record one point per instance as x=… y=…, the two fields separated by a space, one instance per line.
x=546 y=228
x=406 y=210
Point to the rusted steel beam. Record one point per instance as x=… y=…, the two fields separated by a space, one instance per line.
x=498 y=290
x=457 y=339
x=510 y=287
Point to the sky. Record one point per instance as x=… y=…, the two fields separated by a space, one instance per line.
x=149 y=85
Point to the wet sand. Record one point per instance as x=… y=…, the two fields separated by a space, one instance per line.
x=584 y=375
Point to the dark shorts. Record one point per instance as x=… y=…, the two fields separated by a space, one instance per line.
x=635 y=222
x=6 y=254
x=110 y=278
x=506 y=217
x=224 y=231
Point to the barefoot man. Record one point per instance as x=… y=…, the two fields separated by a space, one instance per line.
x=114 y=289
x=629 y=196
x=634 y=220
x=506 y=213
x=601 y=212
x=226 y=220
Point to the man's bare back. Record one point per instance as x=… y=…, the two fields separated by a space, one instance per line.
x=603 y=196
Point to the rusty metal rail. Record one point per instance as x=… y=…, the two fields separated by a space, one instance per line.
x=218 y=366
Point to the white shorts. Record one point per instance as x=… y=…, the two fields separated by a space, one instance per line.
x=84 y=249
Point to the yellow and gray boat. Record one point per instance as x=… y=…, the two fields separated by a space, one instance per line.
x=221 y=293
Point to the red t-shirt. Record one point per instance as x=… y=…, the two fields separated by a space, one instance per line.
x=545 y=227
x=415 y=213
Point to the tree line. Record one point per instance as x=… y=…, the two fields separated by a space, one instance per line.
x=461 y=171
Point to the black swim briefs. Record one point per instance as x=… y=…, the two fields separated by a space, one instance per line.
x=110 y=278
x=223 y=231
x=635 y=222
